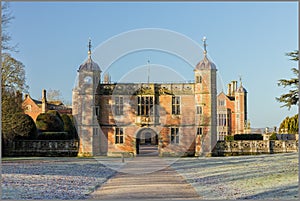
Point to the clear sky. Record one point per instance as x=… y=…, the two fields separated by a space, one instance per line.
x=247 y=39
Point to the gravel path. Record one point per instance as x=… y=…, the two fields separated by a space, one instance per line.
x=243 y=177
x=50 y=178
x=146 y=178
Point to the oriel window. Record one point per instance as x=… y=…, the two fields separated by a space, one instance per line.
x=145 y=105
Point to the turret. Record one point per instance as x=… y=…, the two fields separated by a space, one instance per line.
x=206 y=98
x=83 y=106
x=241 y=108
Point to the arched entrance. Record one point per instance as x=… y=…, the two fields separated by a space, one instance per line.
x=147 y=142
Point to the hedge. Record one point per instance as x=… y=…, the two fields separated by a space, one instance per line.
x=53 y=136
x=49 y=122
x=273 y=137
x=248 y=137
x=229 y=138
x=69 y=126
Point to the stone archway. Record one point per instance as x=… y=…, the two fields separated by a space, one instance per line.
x=147 y=142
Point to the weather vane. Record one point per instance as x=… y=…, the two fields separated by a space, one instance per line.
x=240 y=79
x=90 y=45
x=204 y=43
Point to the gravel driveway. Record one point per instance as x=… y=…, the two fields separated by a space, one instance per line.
x=239 y=177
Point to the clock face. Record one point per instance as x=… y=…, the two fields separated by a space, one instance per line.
x=88 y=79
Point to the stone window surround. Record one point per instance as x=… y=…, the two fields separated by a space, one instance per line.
x=176 y=105
x=119 y=135
x=174 y=135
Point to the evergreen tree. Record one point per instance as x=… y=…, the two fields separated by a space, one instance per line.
x=12 y=82
x=24 y=127
x=292 y=97
x=69 y=126
x=11 y=109
x=290 y=124
x=49 y=122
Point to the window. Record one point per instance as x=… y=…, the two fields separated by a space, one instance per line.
x=145 y=105
x=95 y=131
x=222 y=120
x=176 y=105
x=174 y=136
x=199 y=109
x=119 y=105
x=198 y=79
x=199 y=131
x=221 y=102
x=96 y=111
x=28 y=108
x=119 y=136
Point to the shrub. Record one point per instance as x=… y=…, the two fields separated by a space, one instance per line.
x=248 y=137
x=229 y=138
x=273 y=136
x=56 y=113
x=69 y=126
x=49 y=122
x=24 y=127
x=53 y=136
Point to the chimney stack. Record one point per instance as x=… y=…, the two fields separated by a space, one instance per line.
x=44 y=101
x=229 y=90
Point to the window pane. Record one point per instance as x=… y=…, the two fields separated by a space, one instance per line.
x=117 y=139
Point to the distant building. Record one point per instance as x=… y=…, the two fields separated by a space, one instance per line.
x=232 y=111
x=34 y=107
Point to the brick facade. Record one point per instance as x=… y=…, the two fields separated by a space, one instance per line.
x=114 y=118
x=232 y=111
x=34 y=107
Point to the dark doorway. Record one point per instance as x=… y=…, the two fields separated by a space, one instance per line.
x=148 y=138
x=147 y=142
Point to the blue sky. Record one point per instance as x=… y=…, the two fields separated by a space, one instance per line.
x=247 y=39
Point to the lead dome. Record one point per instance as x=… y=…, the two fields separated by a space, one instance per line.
x=89 y=64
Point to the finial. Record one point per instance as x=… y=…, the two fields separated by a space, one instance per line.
x=148 y=76
x=240 y=80
x=204 y=44
x=90 y=46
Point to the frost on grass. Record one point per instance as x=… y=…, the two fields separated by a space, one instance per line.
x=52 y=179
x=242 y=177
